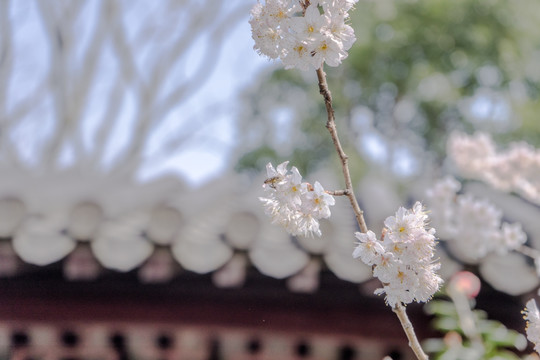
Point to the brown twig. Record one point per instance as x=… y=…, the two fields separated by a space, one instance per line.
x=528 y=251
x=399 y=310
x=338 y=192
x=331 y=126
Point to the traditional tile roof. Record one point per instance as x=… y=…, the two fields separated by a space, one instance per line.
x=91 y=223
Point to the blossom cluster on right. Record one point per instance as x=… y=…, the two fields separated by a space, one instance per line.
x=475 y=224
x=403 y=259
x=304 y=34
x=516 y=169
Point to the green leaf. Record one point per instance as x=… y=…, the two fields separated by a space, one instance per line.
x=441 y=308
x=446 y=324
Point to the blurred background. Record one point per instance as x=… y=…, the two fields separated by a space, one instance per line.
x=133 y=141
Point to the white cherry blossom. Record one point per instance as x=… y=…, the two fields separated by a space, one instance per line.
x=473 y=224
x=512 y=236
x=516 y=169
x=318 y=202
x=403 y=260
x=300 y=35
x=311 y=25
x=532 y=316
x=298 y=56
x=295 y=205
x=327 y=49
x=369 y=248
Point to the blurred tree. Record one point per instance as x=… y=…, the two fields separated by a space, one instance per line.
x=111 y=86
x=419 y=70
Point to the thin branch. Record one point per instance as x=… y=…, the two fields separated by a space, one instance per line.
x=151 y=109
x=127 y=76
x=331 y=126
x=55 y=29
x=338 y=192
x=113 y=108
x=528 y=251
x=83 y=81
x=399 y=310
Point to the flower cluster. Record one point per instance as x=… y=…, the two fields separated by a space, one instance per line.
x=403 y=259
x=516 y=169
x=302 y=33
x=295 y=205
x=474 y=224
x=532 y=316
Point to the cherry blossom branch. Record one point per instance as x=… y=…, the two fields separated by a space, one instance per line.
x=338 y=192
x=331 y=126
x=528 y=251
x=399 y=310
x=287 y=195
